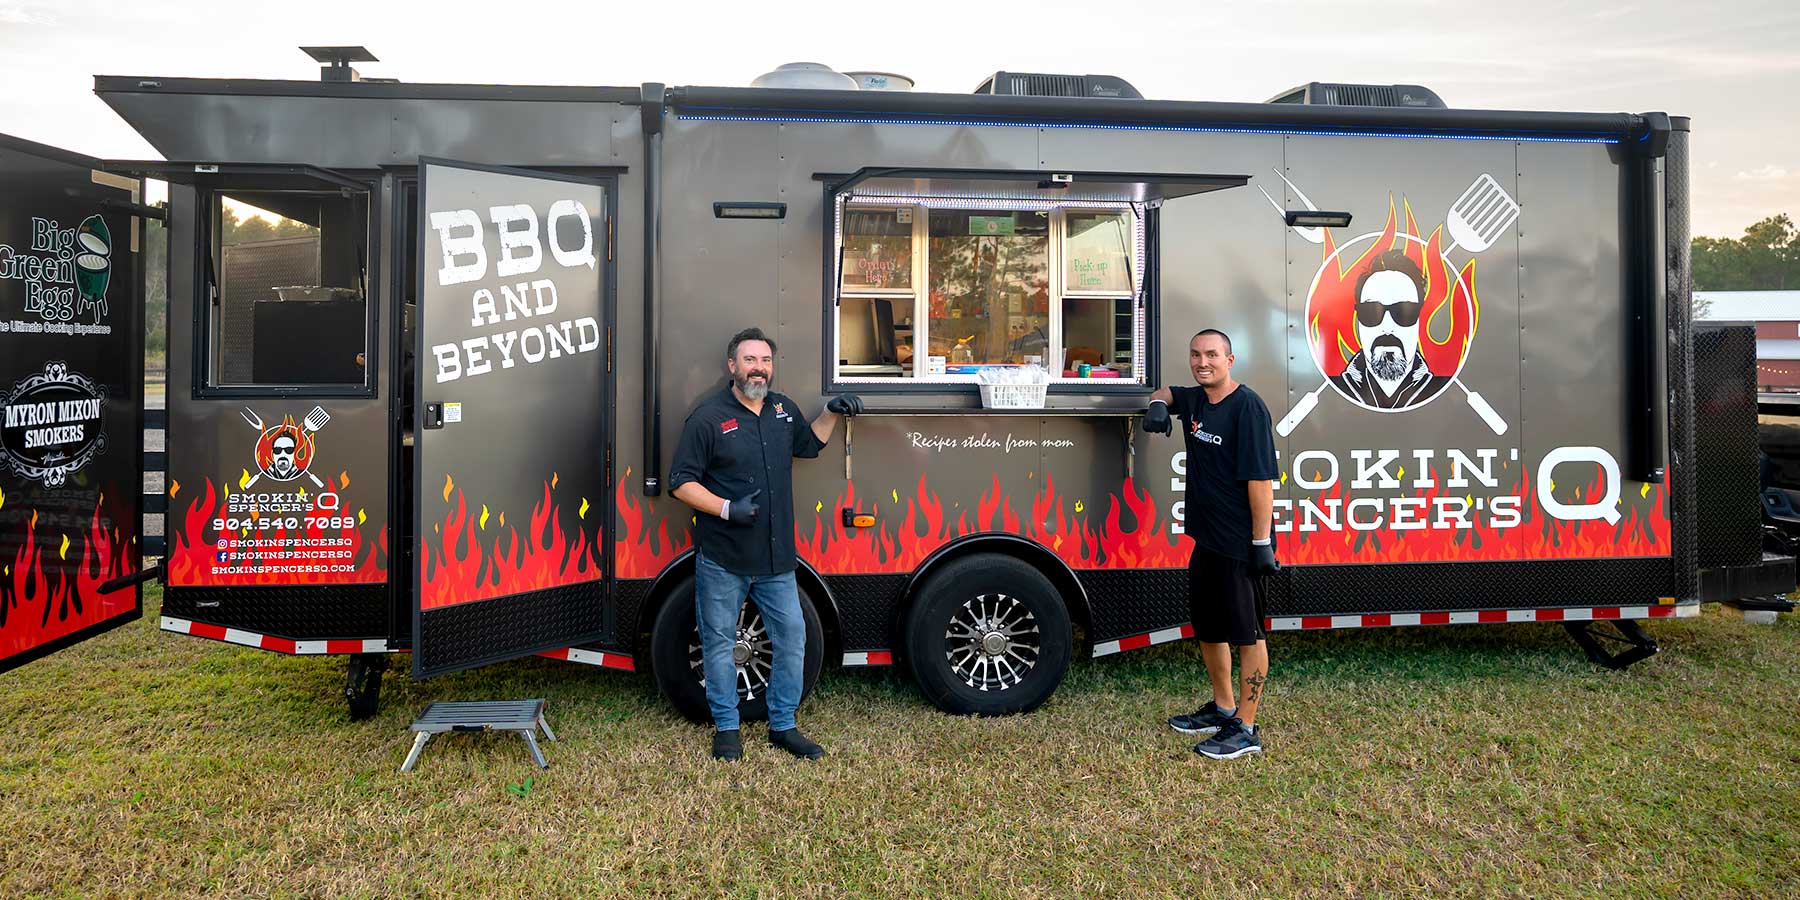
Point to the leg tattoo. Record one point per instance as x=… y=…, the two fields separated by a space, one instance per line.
x=1255 y=681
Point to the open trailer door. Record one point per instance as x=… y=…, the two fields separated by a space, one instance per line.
x=71 y=398
x=511 y=501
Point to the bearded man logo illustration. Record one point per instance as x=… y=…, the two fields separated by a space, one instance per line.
x=1389 y=372
x=281 y=458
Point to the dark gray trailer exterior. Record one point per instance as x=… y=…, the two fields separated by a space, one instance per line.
x=1546 y=475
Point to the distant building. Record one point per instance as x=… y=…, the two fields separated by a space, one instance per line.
x=1776 y=315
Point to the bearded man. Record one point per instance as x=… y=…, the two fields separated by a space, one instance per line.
x=734 y=466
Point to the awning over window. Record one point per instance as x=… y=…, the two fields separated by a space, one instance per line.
x=1150 y=189
x=262 y=176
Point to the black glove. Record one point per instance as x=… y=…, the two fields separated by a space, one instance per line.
x=1262 y=559
x=743 y=510
x=844 y=405
x=1156 y=418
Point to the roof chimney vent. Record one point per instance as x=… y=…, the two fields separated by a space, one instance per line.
x=337 y=61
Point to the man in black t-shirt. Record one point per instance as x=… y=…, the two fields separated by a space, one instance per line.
x=1229 y=512
x=734 y=466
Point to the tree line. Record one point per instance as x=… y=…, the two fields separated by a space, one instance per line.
x=1766 y=258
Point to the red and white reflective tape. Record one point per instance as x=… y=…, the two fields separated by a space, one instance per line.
x=1389 y=620
x=270 y=642
x=1481 y=617
x=592 y=658
x=1107 y=648
x=869 y=658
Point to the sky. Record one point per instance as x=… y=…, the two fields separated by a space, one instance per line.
x=1732 y=66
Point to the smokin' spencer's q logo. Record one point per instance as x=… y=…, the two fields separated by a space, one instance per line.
x=1390 y=318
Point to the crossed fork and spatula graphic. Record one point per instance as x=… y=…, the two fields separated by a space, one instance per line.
x=314 y=421
x=1475 y=221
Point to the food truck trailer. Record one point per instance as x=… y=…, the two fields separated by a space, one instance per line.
x=430 y=347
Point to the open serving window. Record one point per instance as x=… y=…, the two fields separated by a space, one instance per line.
x=940 y=273
x=284 y=264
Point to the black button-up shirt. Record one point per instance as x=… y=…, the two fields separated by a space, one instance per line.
x=732 y=451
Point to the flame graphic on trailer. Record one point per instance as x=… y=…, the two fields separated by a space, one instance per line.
x=474 y=554
x=50 y=588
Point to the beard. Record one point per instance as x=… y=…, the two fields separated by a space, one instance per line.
x=755 y=390
x=1387 y=359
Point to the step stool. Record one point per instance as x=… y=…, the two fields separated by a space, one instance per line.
x=522 y=716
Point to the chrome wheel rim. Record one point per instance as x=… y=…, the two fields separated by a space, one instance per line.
x=753 y=653
x=992 y=642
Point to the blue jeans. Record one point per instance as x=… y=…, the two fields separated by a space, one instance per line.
x=718 y=597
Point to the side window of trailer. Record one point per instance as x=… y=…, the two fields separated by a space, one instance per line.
x=931 y=291
x=289 y=287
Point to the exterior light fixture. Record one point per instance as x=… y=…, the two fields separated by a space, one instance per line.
x=748 y=209
x=1311 y=218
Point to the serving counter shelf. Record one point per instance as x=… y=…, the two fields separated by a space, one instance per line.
x=1126 y=415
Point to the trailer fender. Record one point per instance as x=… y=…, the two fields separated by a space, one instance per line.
x=805 y=576
x=1073 y=593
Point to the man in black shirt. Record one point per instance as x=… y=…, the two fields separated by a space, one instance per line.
x=734 y=466
x=1231 y=472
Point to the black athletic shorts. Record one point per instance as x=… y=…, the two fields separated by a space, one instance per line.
x=1226 y=600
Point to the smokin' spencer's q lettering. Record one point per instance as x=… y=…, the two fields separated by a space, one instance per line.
x=521 y=253
x=1379 y=470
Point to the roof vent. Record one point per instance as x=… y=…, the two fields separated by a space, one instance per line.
x=1027 y=84
x=337 y=61
x=1325 y=93
x=881 y=81
x=805 y=76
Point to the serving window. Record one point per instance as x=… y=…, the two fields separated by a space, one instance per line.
x=933 y=290
x=288 y=302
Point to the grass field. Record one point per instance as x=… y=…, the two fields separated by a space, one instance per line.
x=1457 y=761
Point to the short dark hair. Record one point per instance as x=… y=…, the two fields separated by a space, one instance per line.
x=748 y=334
x=1222 y=336
x=1394 y=261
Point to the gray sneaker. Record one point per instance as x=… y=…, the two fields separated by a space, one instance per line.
x=1232 y=741
x=1205 y=720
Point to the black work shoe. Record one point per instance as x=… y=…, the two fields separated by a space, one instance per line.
x=728 y=746
x=796 y=743
x=1205 y=720
x=1232 y=741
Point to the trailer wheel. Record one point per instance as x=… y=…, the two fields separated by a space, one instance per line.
x=362 y=684
x=989 y=635
x=675 y=656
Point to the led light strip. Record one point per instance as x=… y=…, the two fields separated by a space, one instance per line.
x=1201 y=129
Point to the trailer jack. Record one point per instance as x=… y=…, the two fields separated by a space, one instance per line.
x=362 y=684
x=1638 y=645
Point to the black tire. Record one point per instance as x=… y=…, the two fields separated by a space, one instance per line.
x=674 y=656
x=362 y=684
x=970 y=609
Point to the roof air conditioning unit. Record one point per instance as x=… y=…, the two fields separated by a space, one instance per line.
x=1027 y=84
x=1330 y=94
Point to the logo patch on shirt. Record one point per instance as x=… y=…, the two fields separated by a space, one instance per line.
x=1205 y=437
x=782 y=413
x=728 y=426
